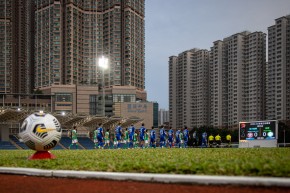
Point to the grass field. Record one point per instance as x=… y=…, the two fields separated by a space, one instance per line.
x=234 y=162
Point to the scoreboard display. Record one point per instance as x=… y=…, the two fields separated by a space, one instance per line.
x=258 y=130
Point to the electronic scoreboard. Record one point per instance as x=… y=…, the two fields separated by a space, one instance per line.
x=258 y=130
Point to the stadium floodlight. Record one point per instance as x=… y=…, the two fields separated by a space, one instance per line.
x=103 y=63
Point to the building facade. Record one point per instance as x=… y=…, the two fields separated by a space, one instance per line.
x=172 y=91
x=23 y=47
x=199 y=88
x=76 y=99
x=16 y=40
x=142 y=110
x=278 y=70
x=188 y=88
x=53 y=47
x=121 y=37
x=6 y=45
x=163 y=116
x=238 y=77
x=72 y=35
x=219 y=87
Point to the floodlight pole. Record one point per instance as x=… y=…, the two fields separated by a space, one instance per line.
x=103 y=63
x=103 y=93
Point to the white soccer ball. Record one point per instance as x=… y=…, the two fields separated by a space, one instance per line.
x=40 y=131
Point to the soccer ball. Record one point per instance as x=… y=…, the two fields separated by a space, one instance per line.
x=40 y=131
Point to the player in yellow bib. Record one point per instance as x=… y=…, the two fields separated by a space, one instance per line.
x=229 y=140
x=210 y=140
x=218 y=140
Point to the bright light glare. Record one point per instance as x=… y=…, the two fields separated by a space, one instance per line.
x=103 y=62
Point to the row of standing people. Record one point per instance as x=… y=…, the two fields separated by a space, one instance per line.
x=210 y=141
x=180 y=138
x=129 y=136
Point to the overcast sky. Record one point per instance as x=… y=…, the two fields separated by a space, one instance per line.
x=173 y=26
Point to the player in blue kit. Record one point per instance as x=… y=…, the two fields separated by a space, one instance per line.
x=118 y=132
x=170 y=137
x=142 y=131
x=162 y=137
x=152 y=137
x=204 y=140
x=195 y=139
x=100 y=136
x=185 y=136
x=131 y=131
x=177 y=138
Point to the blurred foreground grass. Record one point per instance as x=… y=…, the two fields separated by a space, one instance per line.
x=236 y=161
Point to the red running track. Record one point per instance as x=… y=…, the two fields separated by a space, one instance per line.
x=32 y=184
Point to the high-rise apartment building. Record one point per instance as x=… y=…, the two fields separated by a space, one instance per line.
x=254 y=77
x=65 y=42
x=16 y=40
x=188 y=88
x=200 y=84
x=23 y=47
x=172 y=91
x=121 y=37
x=5 y=45
x=71 y=36
x=278 y=70
x=163 y=116
x=238 y=79
x=52 y=44
x=219 y=85
x=222 y=87
x=179 y=73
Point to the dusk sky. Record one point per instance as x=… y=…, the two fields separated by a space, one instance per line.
x=173 y=26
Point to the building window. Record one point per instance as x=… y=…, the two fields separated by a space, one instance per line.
x=124 y=98
x=63 y=97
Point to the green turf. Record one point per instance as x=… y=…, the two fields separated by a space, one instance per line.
x=235 y=161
